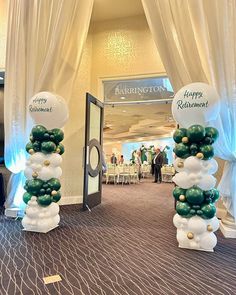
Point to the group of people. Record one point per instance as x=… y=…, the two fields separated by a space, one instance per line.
x=157 y=163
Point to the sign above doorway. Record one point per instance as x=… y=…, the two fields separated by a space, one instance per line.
x=142 y=89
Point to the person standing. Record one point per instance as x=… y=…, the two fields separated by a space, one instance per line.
x=113 y=159
x=138 y=162
x=157 y=163
x=121 y=161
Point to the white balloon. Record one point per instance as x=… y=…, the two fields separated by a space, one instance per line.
x=48 y=109
x=207 y=182
x=193 y=164
x=197 y=225
x=182 y=238
x=214 y=222
x=28 y=173
x=182 y=180
x=208 y=241
x=36 y=167
x=38 y=158
x=176 y=162
x=196 y=103
x=55 y=159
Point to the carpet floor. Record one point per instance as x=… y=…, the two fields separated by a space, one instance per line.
x=126 y=245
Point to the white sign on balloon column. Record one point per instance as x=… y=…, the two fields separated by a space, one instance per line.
x=193 y=107
x=50 y=112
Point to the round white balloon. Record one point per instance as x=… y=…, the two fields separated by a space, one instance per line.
x=182 y=180
x=196 y=103
x=177 y=162
x=48 y=109
x=207 y=183
x=197 y=225
x=208 y=241
x=193 y=164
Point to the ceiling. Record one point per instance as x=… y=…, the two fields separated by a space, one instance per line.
x=138 y=122
x=110 y=9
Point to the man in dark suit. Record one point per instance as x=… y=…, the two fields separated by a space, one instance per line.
x=113 y=159
x=158 y=162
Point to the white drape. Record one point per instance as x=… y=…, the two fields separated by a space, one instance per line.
x=44 y=46
x=196 y=42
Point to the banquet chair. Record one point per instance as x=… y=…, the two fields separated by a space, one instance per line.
x=145 y=170
x=167 y=173
x=134 y=174
x=124 y=174
x=111 y=174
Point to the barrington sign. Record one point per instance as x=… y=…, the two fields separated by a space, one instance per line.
x=138 y=89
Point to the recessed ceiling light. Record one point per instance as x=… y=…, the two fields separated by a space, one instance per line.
x=122 y=97
x=124 y=111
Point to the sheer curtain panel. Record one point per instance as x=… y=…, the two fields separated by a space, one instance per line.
x=196 y=42
x=45 y=40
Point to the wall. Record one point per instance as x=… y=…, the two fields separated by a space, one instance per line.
x=121 y=48
x=3 y=31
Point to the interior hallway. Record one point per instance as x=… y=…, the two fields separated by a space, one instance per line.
x=127 y=245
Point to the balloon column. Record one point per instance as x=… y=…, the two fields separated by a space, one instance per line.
x=43 y=166
x=195 y=194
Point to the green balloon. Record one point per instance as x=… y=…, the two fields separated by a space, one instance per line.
x=178 y=191
x=199 y=212
x=54 y=184
x=38 y=132
x=56 y=197
x=34 y=186
x=37 y=145
x=61 y=148
x=212 y=133
x=207 y=140
x=211 y=196
x=183 y=208
x=26 y=197
x=193 y=149
x=192 y=212
x=207 y=150
x=29 y=146
x=196 y=133
x=194 y=195
x=208 y=211
x=179 y=134
x=48 y=147
x=182 y=150
x=58 y=135
x=44 y=200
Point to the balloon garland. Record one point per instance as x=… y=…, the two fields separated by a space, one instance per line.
x=43 y=171
x=195 y=193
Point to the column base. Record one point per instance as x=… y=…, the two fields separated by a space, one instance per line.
x=197 y=249
x=40 y=231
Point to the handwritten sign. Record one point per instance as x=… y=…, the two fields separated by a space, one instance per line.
x=196 y=103
x=48 y=109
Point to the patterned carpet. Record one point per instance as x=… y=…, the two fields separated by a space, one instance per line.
x=126 y=245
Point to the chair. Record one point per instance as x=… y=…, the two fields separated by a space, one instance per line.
x=134 y=170
x=111 y=173
x=124 y=174
x=167 y=173
x=145 y=170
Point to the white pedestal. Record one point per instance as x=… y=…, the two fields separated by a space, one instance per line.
x=228 y=226
x=40 y=231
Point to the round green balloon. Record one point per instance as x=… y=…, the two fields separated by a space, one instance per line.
x=61 y=148
x=207 y=140
x=38 y=132
x=193 y=149
x=29 y=146
x=183 y=208
x=208 y=211
x=196 y=133
x=192 y=212
x=26 y=197
x=54 y=184
x=179 y=134
x=56 y=197
x=212 y=133
x=182 y=150
x=37 y=145
x=34 y=186
x=194 y=195
x=178 y=191
x=44 y=200
x=58 y=135
x=207 y=150
x=212 y=195
x=48 y=147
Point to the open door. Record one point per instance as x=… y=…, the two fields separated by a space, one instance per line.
x=93 y=153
